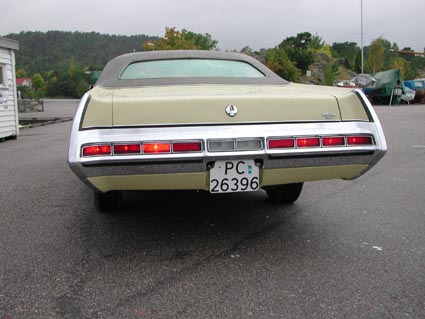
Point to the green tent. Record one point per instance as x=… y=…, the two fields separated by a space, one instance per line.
x=387 y=89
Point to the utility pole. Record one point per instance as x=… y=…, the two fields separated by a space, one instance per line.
x=361 y=31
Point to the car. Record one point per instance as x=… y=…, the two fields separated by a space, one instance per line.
x=218 y=122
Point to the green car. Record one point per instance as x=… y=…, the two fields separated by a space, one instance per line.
x=219 y=122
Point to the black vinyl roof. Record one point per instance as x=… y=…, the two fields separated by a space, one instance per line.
x=110 y=76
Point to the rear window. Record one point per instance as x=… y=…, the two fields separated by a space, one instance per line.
x=190 y=68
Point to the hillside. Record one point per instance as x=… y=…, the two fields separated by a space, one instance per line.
x=40 y=52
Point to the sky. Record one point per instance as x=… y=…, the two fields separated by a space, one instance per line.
x=233 y=23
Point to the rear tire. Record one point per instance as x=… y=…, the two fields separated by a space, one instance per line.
x=108 y=202
x=287 y=193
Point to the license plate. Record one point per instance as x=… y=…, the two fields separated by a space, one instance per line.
x=234 y=176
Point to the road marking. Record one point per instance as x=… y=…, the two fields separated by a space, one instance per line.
x=420 y=146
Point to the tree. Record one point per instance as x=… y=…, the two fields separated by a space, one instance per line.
x=375 y=61
x=58 y=82
x=88 y=48
x=406 y=70
x=298 y=50
x=278 y=62
x=358 y=62
x=38 y=86
x=379 y=56
x=301 y=41
x=181 y=40
x=330 y=72
x=408 y=57
x=316 y=42
x=21 y=73
x=52 y=88
x=387 y=53
x=78 y=81
x=346 y=50
x=201 y=41
x=81 y=88
x=38 y=82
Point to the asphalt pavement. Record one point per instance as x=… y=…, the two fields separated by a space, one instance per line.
x=61 y=108
x=52 y=111
x=345 y=249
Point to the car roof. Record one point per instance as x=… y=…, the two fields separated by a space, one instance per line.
x=110 y=76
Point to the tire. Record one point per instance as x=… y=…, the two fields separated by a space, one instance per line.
x=287 y=193
x=107 y=202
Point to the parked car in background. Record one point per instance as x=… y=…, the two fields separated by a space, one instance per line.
x=219 y=122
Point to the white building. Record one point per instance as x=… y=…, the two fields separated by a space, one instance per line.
x=9 y=117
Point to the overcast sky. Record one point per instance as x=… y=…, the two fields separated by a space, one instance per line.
x=233 y=23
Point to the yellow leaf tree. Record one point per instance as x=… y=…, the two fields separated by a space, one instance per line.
x=181 y=40
x=375 y=61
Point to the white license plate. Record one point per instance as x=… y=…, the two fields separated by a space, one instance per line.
x=234 y=176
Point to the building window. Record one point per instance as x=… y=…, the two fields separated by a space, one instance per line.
x=2 y=75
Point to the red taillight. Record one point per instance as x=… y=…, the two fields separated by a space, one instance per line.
x=333 y=141
x=282 y=143
x=156 y=148
x=96 y=150
x=186 y=147
x=308 y=142
x=127 y=148
x=359 y=140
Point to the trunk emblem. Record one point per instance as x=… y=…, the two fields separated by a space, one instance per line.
x=329 y=115
x=231 y=110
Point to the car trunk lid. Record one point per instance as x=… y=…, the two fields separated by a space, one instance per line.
x=216 y=104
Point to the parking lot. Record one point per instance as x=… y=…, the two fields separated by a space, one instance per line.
x=345 y=249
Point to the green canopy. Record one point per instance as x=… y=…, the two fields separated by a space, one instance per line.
x=380 y=92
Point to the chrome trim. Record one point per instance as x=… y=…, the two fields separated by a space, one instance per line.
x=226 y=133
x=379 y=136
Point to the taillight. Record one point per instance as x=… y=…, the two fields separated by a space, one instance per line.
x=186 y=147
x=127 y=148
x=97 y=150
x=153 y=148
x=281 y=143
x=333 y=141
x=308 y=142
x=359 y=140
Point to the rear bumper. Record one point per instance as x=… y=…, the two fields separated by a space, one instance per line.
x=191 y=171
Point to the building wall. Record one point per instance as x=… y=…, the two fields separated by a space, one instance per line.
x=9 y=118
